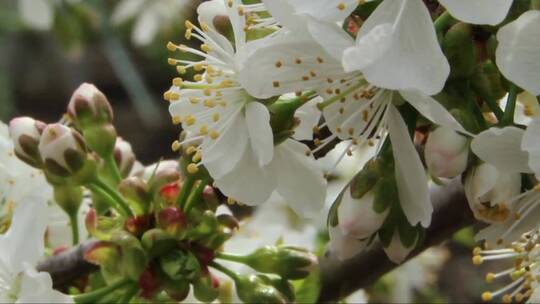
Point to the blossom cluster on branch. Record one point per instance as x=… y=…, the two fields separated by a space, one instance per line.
x=428 y=90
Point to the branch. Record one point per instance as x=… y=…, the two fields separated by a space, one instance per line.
x=341 y=278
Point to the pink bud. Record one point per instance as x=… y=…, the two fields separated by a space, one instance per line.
x=62 y=149
x=357 y=217
x=88 y=106
x=446 y=153
x=26 y=133
x=172 y=220
x=124 y=156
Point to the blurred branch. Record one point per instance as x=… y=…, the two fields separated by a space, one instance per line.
x=341 y=278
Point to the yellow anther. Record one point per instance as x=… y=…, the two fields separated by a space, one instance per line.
x=241 y=11
x=215 y=117
x=171 y=61
x=477 y=250
x=279 y=64
x=167 y=95
x=207 y=92
x=198 y=67
x=231 y=201
x=198 y=77
x=174 y=96
x=197 y=157
x=487 y=296
x=190 y=149
x=176 y=120
x=209 y=103
x=230 y=3
x=490 y=277
x=171 y=46
x=188 y=34
x=214 y=134
x=477 y=260
x=203 y=130
x=204 y=27
x=275 y=84
x=506 y=298
x=177 y=81
x=192 y=168
x=205 y=48
x=188 y=24
x=519 y=297
x=190 y=120
x=181 y=69
x=176 y=145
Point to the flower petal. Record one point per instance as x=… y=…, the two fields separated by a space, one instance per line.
x=289 y=64
x=410 y=174
x=325 y=10
x=502 y=149
x=490 y=12
x=36 y=287
x=433 y=110
x=299 y=180
x=330 y=36
x=309 y=116
x=220 y=156
x=369 y=47
x=395 y=251
x=247 y=182
x=415 y=59
x=531 y=144
x=260 y=132
x=518 y=55
x=24 y=241
x=344 y=246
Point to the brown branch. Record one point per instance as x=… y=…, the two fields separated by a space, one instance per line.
x=341 y=278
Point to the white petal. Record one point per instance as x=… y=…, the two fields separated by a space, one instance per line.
x=490 y=12
x=446 y=153
x=415 y=59
x=518 y=53
x=24 y=241
x=238 y=22
x=38 y=14
x=502 y=149
x=299 y=180
x=283 y=11
x=37 y=288
x=126 y=10
x=343 y=246
x=260 y=132
x=330 y=36
x=325 y=10
x=410 y=174
x=145 y=28
x=433 y=110
x=309 y=116
x=531 y=144
x=396 y=252
x=357 y=217
x=369 y=48
x=247 y=182
x=284 y=63
x=223 y=154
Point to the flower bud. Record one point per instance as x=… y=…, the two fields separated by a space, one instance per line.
x=25 y=133
x=252 y=289
x=172 y=220
x=69 y=198
x=344 y=246
x=357 y=217
x=180 y=264
x=88 y=106
x=396 y=250
x=124 y=156
x=149 y=283
x=137 y=225
x=63 y=150
x=285 y=261
x=206 y=288
x=134 y=190
x=178 y=290
x=102 y=254
x=488 y=192
x=134 y=260
x=446 y=153
x=101 y=139
x=157 y=242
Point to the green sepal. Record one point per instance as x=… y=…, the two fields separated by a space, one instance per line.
x=203 y=289
x=134 y=258
x=180 y=264
x=157 y=242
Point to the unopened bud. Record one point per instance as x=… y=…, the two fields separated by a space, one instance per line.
x=101 y=139
x=172 y=220
x=285 y=261
x=62 y=150
x=446 y=153
x=102 y=253
x=124 y=156
x=178 y=290
x=344 y=246
x=135 y=191
x=396 y=250
x=157 y=242
x=137 y=225
x=89 y=106
x=134 y=260
x=180 y=264
x=253 y=289
x=26 y=133
x=357 y=217
x=206 y=288
x=149 y=283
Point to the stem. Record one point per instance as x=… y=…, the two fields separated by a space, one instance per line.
x=231 y=257
x=95 y=295
x=105 y=197
x=330 y=101
x=131 y=292
x=474 y=108
x=494 y=107
x=184 y=192
x=196 y=195
x=510 y=108
x=124 y=207
x=538 y=99
x=112 y=168
x=233 y=275
x=443 y=22
x=73 y=221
